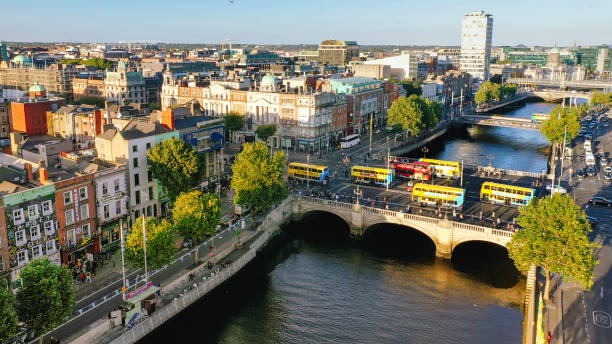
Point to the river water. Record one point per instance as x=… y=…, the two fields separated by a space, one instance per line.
x=317 y=286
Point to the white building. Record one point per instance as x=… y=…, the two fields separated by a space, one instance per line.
x=403 y=66
x=125 y=87
x=430 y=91
x=476 y=37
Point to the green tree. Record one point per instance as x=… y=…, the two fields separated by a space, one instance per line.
x=407 y=113
x=258 y=178
x=233 y=122
x=496 y=78
x=196 y=216
x=46 y=297
x=560 y=119
x=8 y=314
x=433 y=114
x=599 y=98
x=92 y=100
x=509 y=90
x=411 y=87
x=266 y=131
x=555 y=237
x=177 y=165
x=161 y=245
x=154 y=106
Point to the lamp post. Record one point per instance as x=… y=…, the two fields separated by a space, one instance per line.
x=424 y=149
x=308 y=172
x=358 y=193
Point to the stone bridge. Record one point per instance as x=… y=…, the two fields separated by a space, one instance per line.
x=605 y=85
x=445 y=234
x=498 y=121
x=552 y=95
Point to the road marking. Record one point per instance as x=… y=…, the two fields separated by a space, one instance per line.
x=602 y=319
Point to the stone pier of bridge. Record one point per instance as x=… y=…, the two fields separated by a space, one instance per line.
x=444 y=233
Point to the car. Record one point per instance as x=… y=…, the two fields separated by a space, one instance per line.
x=588 y=136
x=592 y=125
x=590 y=171
x=555 y=189
x=600 y=155
x=580 y=173
x=603 y=161
x=608 y=173
x=600 y=201
x=605 y=124
x=592 y=220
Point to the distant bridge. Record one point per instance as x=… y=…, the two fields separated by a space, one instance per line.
x=552 y=95
x=498 y=121
x=445 y=234
x=562 y=84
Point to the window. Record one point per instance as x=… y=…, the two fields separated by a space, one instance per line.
x=150 y=193
x=48 y=226
x=104 y=189
x=22 y=257
x=137 y=214
x=116 y=185
x=84 y=211
x=148 y=211
x=134 y=148
x=137 y=193
x=118 y=208
x=69 y=216
x=149 y=176
x=35 y=232
x=136 y=179
x=50 y=244
x=47 y=208
x=83 y=193
x=33 y=212
x=85 y=232
x=149 y=145
x=37 y=251
x=67 y=197
x=1 y=263
x=135 y=162
x=18 y=216
x=71 y=236
x=20 y=238
x=106 y=212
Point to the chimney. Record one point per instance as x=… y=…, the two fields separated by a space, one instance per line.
x=167 y=118
x=28 y=168
x=42 y=172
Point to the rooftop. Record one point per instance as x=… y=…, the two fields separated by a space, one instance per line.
x=190 y=122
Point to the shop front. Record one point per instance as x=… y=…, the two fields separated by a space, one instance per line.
x=109 y=236
x=84 y=249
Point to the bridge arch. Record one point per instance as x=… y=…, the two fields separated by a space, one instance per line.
x=486 y=261
x=400 y=241
x=340 y=227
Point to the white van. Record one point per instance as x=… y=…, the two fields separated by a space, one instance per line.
x=589 y=159
x=587 y=145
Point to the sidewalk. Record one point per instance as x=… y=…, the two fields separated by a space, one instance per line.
x=553 y=311
x=110 y=272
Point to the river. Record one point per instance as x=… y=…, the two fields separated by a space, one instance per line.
x=317 y=286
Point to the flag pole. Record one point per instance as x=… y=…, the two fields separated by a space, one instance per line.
x=144 y=242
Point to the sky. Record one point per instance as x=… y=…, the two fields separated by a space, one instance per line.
x=393 y=22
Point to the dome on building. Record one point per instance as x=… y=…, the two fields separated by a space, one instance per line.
x=554 y=50
x=21 y=59
x=268 y=79
x=37 y=88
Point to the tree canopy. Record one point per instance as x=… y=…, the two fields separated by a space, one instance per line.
x=177 y=165
x=233 y=122
x=599 y=98
x=266 y=131
x=8 y=314
x=554 y=236
x=258 y=178
x=96 y=62
x=92 y=100
x=196 y=215
x=414 y=113
x=559 y=119
x=490 y=91
x=46 y=297
x=161 y=245
x=411 y=87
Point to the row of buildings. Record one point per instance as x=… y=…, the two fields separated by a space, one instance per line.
x=73 y=172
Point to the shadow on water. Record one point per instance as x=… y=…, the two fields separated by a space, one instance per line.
x=486 y=262
x=399 y=243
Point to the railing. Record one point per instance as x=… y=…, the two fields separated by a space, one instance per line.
x=411 y=217
x=558 y=83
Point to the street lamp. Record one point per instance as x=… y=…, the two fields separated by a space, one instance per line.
x=358 y=193
x=424 y=149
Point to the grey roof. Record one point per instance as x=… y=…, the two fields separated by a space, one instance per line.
x=138 y=129
x=190 y=122
x=32 y=141
x=108 y=134
x=76 y=108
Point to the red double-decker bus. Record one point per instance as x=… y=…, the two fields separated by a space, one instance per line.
x=413 y=170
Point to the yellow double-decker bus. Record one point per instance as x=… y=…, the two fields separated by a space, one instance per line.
x=371 y=175
x=506 y=194
x=317 y=173
x=438 y=195
x=442 y=168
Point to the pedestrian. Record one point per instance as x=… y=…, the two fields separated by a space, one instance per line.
x=87 y=277
x=481 y=216
x=93 y=267
x=454 y=213
x=498 y=222
x=387 y=206
x=493 y=214
x=461 y=217
x=548 y=337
